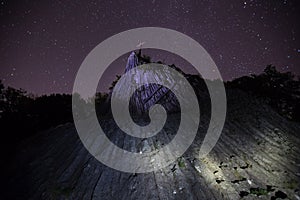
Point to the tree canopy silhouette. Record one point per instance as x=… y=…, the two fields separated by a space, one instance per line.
x=281 y=89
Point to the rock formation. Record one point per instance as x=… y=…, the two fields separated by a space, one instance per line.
x=257 y=156
x=149 y=94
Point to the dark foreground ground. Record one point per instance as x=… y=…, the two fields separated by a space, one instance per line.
x=257 y=156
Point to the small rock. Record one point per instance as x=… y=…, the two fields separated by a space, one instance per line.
x=198 y=168
x=249 y=181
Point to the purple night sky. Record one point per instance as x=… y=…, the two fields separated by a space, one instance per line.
x=44 y=42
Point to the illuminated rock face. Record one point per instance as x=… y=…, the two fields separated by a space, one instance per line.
x=150 y=94
x=132 y=62
x=257 y=157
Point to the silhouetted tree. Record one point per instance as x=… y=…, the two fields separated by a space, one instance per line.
x=281 y=89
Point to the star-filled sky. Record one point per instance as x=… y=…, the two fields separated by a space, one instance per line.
x=43 y=43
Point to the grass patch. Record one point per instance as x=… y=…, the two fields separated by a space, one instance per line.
x=181 y=163
x=292 y=184
x=258 y=191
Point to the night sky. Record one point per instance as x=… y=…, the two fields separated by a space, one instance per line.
x=43 y=43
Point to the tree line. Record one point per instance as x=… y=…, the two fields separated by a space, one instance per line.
x=22 y=115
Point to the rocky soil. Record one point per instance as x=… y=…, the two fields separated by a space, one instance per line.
x=256 y=157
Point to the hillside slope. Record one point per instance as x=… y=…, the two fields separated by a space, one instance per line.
x=256 y=155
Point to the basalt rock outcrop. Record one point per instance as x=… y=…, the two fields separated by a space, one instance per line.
x=257 y=156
